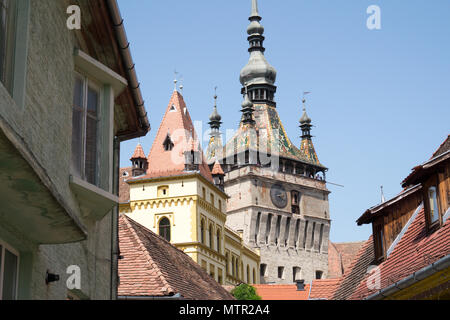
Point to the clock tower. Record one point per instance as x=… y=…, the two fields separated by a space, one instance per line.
x=278 y=193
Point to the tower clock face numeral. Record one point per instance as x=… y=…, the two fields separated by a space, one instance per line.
x=278 y=195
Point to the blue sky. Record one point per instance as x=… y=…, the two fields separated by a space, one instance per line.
x=380 y=99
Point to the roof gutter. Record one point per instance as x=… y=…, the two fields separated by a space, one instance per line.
x=174 y=297
x=124 y=47
x=423 y=273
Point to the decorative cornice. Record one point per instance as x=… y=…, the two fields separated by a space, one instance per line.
x=170 y=201
x=212 y=209
x=199 y=245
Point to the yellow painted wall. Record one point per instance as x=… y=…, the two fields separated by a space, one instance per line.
x=186 y=202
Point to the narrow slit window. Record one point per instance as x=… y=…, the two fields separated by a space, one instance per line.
x=164 y=228
x=434 y=211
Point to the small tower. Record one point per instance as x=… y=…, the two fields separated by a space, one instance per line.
x=307 y=146
x=139 y=162
x=247 y=110
x=215 y=142
x=192 y=155
x=305 y=123
x=218 y=176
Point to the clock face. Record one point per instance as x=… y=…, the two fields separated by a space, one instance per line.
x=278 y=195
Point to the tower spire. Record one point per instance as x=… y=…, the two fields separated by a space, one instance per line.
x=215 y=118
x=247 y=109
x=307 y=146
x=258 y=75
x=255 y=9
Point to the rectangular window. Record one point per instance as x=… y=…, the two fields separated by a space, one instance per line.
x=319 y=274
x=262 y=269
x=379 y=241
x=85 y=131
x=295 y=273
x=280 y=272
x=9 y=267
x=8 y=16
x=433 y=202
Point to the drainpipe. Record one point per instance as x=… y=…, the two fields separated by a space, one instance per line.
x=114 y=221
x=423 y=273
x=124 y=47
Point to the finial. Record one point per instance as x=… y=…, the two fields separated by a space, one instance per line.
x=255 y=9
x=175 y=80
x=305 y=119
x=181 y=83
x=215 y=116
x=215 y=96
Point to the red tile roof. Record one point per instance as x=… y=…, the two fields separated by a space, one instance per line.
x=176 y=124
x=281 y=292
x=340 y=257
x=138 y=153
x=124 y=188
x=356 y=271
x=152 y=267
x=217 y=169
x=319 y=289
x=414 y=251
x=324 y=288
x=444 y=147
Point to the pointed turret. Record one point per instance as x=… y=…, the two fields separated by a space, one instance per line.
x=307 y=147
x=139 y=162
x=215 y=142
x=176 y=149
x=218 y=176
x=247 y=110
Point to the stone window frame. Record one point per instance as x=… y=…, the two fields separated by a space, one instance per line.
x=89 y=83
x=97 y=200
x=19 y=53
x=5 y=246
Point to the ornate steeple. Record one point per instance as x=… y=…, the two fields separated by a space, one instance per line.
x=215 y=118
x=215 y=142
x=139 y=161
x=307 y=146
x=305 y=123
x=258 y=75
x=247 y=110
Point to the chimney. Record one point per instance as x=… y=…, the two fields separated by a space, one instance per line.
x=300 y=285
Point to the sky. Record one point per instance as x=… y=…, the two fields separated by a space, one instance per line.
x=379 y=102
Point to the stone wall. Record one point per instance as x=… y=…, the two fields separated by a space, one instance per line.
x=44 y=124
x=285 y=239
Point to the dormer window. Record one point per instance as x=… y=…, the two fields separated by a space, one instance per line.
x=378 y=237
x=173 y=108
x=433 y=205
x=168 y=144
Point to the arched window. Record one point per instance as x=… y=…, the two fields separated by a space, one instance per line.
x=233 y=267
x=164 y=228
x=211 y=237
x=218 y=240
x=202 y=231
x=248 y=274
x=227 y=258
x=254 y=276
x=168 y=144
